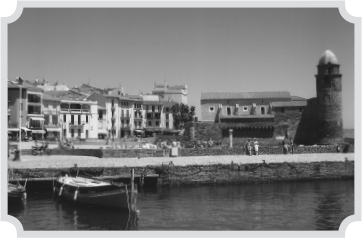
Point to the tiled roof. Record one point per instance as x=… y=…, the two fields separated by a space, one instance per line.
x=290 y=104
x=50 y=97
x=66 y=95
x=245 y=95
x=297 y=98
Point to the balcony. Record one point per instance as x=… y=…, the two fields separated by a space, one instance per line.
x=74 y=108
x=34 y=99
x=13 y=125
x=125 y=115
x=125 y=125
x=52 y=125
x=51 y=111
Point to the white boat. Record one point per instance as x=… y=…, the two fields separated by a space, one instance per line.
x=96 y=192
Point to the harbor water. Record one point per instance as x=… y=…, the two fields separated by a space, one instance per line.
x=314 y=205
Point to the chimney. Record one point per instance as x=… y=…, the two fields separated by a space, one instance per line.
x=20 y=81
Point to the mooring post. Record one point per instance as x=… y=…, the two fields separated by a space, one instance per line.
x=132 y=190
x=231 y=137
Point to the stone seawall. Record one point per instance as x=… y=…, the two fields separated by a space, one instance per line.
x=211 y=170
x=255 y=173
x=186 y=152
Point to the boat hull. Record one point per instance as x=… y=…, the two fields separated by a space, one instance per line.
x=105 y=196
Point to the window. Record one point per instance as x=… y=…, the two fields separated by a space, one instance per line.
x=167 y=125
x=245 y=109
x=282 y=109
x=72 y=119
x=72 y=132
x=167 y=117
x=79 y=122
x=147 y=107
x=262 y=110
x=55 y=120
x=127 y=122
x=119 y=92
x=167 y=109
x=157 y=123
x=122 y=122
x=79 y=133
x=86 y=119
x=150 y=123
x=153 y=108
x=65 y=118
x=228 y=110
x=211 y=109
x=46 y=119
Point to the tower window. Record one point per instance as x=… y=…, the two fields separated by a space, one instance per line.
x=262 y=110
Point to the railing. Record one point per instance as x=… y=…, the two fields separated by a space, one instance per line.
x=13 y=125
x=125 y=115
x=34 y=112
x=56 y=125
x=34 y=102
x=125 y=125
x=49 y=111
x=75 y=110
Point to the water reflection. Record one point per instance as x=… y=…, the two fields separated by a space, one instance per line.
x=317 y=205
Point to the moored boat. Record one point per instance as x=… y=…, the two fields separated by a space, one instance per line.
x=95 y=192
x=16 y=192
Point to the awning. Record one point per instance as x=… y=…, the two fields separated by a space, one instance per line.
x=13 y=129
x=54 y=129
x=38 y=131
x=37 y=118
x=137 y=130
x=25 y=129
x=103 y=132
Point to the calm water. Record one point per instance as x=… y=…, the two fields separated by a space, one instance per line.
x=318 y=205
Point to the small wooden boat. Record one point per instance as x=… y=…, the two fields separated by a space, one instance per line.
x=16 y=192
x=96 y=192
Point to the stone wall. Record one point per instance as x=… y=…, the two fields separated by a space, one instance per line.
x=264 y=150
x=170 y=175
x=127 y=153
x=255 y=173
x=203 y=131
x=74 y=152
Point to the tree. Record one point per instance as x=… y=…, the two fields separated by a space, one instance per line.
x=182 y=114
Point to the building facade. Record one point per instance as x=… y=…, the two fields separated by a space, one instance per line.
x=176 y=93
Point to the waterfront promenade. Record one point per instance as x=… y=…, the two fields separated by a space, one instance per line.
x=55 y=161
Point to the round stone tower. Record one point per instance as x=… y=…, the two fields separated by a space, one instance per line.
x=329 y=100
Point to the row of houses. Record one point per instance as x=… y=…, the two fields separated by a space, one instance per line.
x=88 y=112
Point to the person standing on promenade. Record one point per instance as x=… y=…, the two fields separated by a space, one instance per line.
x=256 y=147
x=248 y=147
x=285 y=147
x=291 y=145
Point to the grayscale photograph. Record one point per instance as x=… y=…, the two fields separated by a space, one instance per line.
x=180 y=119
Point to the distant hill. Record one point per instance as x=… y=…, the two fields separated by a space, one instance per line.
x=348 y=133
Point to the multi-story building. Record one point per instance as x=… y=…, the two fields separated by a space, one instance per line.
x=79 y=119
x=176 y=93
x=254 y=114
x=16 y=104
x=52 y=119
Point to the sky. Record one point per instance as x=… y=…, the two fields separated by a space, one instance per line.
x=210 y=50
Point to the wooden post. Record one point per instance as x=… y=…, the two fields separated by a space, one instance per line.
x=132 y=190
x=231 y=137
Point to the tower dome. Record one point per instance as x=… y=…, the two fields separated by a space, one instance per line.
x=328 y=57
